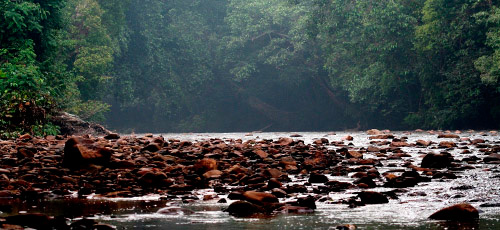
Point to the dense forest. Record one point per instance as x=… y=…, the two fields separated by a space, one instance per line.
x=245 y=65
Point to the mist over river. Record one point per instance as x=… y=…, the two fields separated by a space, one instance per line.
x=477 y=183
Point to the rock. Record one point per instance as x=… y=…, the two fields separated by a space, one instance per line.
x=10 y=227
x=205 y=165
x=260 y=197
x=383 y=137
x=288 y=209
x=72 y=125
x=25 y=137
x=285 y=141
x=367 y=181
x=79 y=153
x=437 y=161
x=274 y=183
x=317 y=178
x=448 y=135
x=152 y=147
x=83 y=224
x=175 y=211
x=278 y=193
x=245 y=209
x=493 y=158
x=372 y=149
x=36 y=221
x=348 y=138
x=354 y=154
x=261 y=154
x=458 y=212
x=112 y=136
x=374 y=132
x=346 y=227
x=273 y=173
x=212 y=174
x=369 y=197
x=308 y=202
x=398 y=144
x=23 y=153
x=423 y=143
x=447 y=144
x=288 y=161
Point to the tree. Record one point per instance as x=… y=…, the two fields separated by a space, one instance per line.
x=28 y=39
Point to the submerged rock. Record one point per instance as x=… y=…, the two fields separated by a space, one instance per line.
x=458 y=212
x=245 y=209
x=370 y=197
x=175 y=211
x=438 y=161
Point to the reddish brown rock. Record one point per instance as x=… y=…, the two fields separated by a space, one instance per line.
x=285 y=141
x=152 y=147
x=423 y=143
x=374 y=132
x=205 y=165
x=354 y=154
x=274 y=183
x=212 y=174
x=384 y=136
x=399 y=144
x=447 y=144
x=261 y=154
x=458 y=212
x=260 y=197
x=348 y=138
x=79 y=153
x=448 y=135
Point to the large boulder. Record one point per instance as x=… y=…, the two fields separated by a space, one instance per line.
x=245 y=209
x=260 y=197
x=437 y=161
x=370 y=197
x=459 y=212
x=70 y=125
x=80 y=152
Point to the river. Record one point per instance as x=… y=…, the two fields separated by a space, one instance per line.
x=479 y=186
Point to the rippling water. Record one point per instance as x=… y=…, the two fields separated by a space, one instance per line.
x=409 y=211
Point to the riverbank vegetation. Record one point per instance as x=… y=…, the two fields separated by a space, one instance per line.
x=244 y=65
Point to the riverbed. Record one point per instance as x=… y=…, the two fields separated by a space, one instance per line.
x=478 y=185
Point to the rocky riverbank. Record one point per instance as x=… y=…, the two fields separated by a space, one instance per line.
x=265 y=177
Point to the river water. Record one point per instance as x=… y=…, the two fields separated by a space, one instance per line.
x=479 y=186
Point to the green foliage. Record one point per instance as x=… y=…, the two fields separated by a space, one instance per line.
x=489 y=64
x=452 y=42
x=369 y=52
x=27 y=33
x=198 y=65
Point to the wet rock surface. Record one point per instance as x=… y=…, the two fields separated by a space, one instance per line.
x=256 y=177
